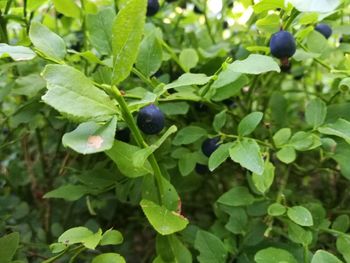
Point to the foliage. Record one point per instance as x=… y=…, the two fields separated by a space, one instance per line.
x=237 y=156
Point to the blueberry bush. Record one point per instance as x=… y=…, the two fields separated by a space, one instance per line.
x=205 y=131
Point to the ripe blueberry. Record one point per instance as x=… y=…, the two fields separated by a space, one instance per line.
x=324 y=29
x=150 y=119
x=152 y=7
x=282 y=44
x=210 y=145
x=123 y=135
x=201 y=168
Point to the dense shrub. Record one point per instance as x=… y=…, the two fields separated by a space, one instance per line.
x=174 y=131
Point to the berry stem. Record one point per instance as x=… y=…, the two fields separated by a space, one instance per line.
x=129 y=119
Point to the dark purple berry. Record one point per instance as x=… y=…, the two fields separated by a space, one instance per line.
x=324 y=29
x=123 y=135
x=152 y=7
x=202 y=169
x=282 y=44
x=210 y=145
x=151 y=120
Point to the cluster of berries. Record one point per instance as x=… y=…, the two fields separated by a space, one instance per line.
x=151 y=120
x=282 y=44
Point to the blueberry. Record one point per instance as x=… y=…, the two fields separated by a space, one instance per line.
x=282 y=44
x=152 y=7
x=210 y=145
x=324 y=29
x=201 y=168
x=150 y=119
x=123 y=135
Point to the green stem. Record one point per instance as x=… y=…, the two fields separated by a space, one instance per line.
x=238 y=137
x=305 y=250
x=291 y=18
x=173 y=55
x=207 y=24
x=129 y=119
x=3 y=29
x=316 y=59
x=251 y=92
x=333 y=97
x=214 y=77
x=143 y=77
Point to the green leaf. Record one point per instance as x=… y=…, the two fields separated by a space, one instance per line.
x=320 y=6
x=266 y=5
x=287 y=154
x=188 y=58
x=108 y=258
x=141 y=156
x=237 y=196
x=269 y=24
x=238 y=221
x=282 y=136
x=299 y=235
x=174 y=108
x=304 y=141
x=82 y=235
x=275 y=255
x=17 y=53
x=189 y=135
x=219 y=120
x=122 y=154
x=68 y=192
x=150 y=188
x=171 y=249
x=164 y=221
x=188 y=79
x=276 y=209
x=99 y=27
x=72 y=93
x=343 y=244
x=246 y=152
x=8 y=246
x=111 y=237
x=249 y=123
x=150 y=55
x=230 y=89
x=340 y=128
x=317 y=43
x=341 y=223
x=316 y=112
x=91 y=137
x=34 y=4
x=219 y=156
x=67 y=7
x=300 y=215
x=342 y=156
x=126 y=37
x=47 y=42
x=211 y=248
x=255 y=64
x=264 y=181
x=188 y=162
x=322 y=256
